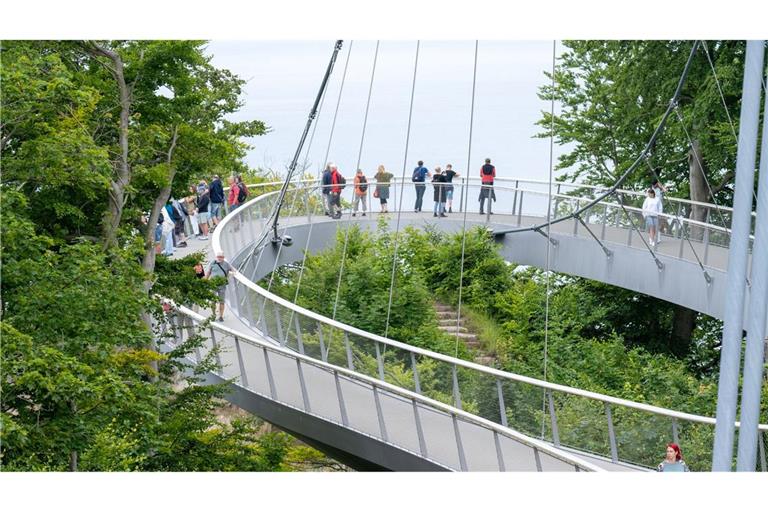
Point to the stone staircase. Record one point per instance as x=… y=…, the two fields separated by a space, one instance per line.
x=446 y=319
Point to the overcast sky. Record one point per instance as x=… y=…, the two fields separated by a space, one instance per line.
x=283 y=78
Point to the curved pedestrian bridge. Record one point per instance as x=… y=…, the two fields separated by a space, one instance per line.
x=377 y=403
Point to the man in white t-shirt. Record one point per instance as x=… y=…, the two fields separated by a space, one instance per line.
x=220 y=268
x=651 y=211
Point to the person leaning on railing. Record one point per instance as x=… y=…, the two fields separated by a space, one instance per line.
x=487 y=174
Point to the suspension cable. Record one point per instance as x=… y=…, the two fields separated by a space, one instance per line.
x=464 y=224
x=549 y=238
x=338 y=103
x=651 y=141
x=701 y=165
x=722 y=99
x=359 y=156
x=402 y=193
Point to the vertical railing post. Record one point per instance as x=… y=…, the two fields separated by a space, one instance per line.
x=502 y=408
x=459 y=445
x=303 y=384
x=520 y=210
x=241 y=363
x=416 y=383
x=499 y=453
x=611 y=433
x=456 y=392
x=299 y=338
x=270 y=377
x=675 y=433
x=461 y=198
x=215 y=345
x=380 y=414
x=323 y=352
x=605 y=221
x=419 y=429
x=347 y=346
x=282 y=339
x=340 y=396
x=379 y=361
x=553 y=419
x=706 y=237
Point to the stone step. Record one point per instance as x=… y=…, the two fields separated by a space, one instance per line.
x=485 y=360
x=446 y=314
x=450 y=321
x=441 y=307
x=465 y=336
x=452 y=328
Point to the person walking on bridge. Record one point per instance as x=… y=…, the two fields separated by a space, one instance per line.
x=220 y=268
x=487 y=174
x=325 y=181
x=217 y=200
x=651 y=210
x=420 y=175
x=337 y=185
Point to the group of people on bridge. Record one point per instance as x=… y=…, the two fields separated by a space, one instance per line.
x=333 y=183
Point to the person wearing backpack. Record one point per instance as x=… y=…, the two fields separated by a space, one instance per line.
x=361 y=192
x=487 y=174
x=419 y=177
x=242 y=191
x=337 y=185
x=326 y=189
x=220 y=268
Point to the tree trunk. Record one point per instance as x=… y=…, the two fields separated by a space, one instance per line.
x=698 y=186
x=122 y=177
x=148 y=262
x=683 y=325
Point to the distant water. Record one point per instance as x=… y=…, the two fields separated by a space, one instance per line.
x=284 y=77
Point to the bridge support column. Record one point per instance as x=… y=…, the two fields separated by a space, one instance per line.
x=727 y=393
x=758 y=299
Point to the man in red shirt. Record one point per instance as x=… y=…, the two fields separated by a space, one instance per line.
x=337 y=182
x=487 y=174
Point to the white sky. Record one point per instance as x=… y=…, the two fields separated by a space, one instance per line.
x=284 y=77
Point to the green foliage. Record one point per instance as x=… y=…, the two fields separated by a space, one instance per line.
x=613 y=94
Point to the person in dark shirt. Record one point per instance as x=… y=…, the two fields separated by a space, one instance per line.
x=438 y=184
x=487 y=174
x=449 y=174
x=326 y=188
x=419 y=177
x=217 y=199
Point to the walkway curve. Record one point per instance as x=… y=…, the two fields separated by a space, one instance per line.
x=265 y=314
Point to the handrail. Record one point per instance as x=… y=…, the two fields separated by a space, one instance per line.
x=670 y=216
x=410 y=395
x=459 y=362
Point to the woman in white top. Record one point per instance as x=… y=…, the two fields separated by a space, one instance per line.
x=651 y=211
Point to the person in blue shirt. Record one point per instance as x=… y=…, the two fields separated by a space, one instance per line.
x=420 y=175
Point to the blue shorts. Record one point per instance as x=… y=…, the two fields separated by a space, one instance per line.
x=651 y=221
x=449 y=194
x=215 y=210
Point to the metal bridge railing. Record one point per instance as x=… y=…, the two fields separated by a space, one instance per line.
x=619 y=430
x=264 y=369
